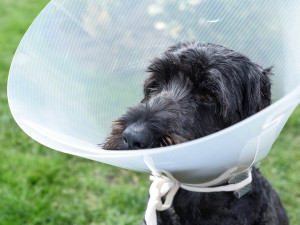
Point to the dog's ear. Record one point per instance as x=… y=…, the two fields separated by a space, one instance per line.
x=258 y=90
x=265 y=88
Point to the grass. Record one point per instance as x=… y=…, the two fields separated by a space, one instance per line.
x=42 y=186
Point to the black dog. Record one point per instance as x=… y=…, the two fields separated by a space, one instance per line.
x=195 y=89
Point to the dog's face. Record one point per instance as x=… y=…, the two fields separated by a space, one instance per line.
x=194 y=89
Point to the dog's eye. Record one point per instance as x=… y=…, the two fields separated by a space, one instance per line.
x=151 y=88
x=207 y=98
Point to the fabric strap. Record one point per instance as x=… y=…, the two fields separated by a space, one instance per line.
x=167 y=186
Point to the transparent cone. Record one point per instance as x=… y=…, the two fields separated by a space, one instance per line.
x=81 y=64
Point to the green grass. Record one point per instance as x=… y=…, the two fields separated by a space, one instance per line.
x=42 y=186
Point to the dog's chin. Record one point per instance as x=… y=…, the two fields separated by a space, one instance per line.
x=171 y=140
x=168 y=140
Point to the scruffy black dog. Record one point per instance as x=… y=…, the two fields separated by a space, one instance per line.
x=195 y=89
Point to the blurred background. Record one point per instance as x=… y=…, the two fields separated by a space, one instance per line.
x=42 y=186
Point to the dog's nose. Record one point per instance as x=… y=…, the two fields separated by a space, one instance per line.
x=137 y=136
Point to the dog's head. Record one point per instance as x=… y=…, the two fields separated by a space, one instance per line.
x=193 y=89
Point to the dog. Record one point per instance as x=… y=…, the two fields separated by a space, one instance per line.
x=195 y=89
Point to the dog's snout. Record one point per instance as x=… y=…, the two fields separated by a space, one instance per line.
x=137 y=136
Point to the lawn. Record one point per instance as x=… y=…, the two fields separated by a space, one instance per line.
x=42 y=186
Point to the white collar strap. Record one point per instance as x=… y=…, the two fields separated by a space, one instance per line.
x=167 y=186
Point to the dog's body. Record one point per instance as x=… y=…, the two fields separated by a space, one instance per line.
x=195 y=89
x=260 y=206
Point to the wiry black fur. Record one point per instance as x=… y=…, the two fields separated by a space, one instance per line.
x=195 y=89
x=261 y=206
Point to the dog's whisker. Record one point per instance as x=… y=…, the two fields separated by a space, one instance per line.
x=169 y=140
x=166 y=144
x=151 y=143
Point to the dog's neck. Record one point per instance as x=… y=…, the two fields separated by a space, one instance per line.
x=186 y=202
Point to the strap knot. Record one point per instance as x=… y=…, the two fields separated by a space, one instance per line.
x=161 y=186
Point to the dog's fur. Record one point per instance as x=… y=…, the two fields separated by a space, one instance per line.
x=195 y=89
